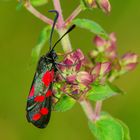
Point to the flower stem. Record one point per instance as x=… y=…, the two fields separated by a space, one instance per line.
x=66 y=44
x=98 y=108
x=73 y=15
x=87 y=107
x=36 y=13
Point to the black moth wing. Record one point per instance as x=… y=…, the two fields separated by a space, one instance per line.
x=38 y=104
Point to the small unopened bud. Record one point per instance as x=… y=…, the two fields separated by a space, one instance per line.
x=105 y=68
x=131 y=66
x=130 y=58
x=99 y=41
x=129 y=61
x=104 y=5
x=96 y=71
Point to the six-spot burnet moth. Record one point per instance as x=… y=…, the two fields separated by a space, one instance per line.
x=40 y=97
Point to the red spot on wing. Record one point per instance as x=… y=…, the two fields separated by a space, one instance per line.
x=44 y=111
x=48 y=77
x=32 y=91
x=40 y=98
x=48 y=93
x=36 y=117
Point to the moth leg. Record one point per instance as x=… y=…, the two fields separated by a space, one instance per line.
x=55 y=96
x=67 y=65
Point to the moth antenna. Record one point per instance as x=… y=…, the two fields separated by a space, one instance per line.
x=69 y=30
x=54 y=23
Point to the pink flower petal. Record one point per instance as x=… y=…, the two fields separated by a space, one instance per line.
x=84 y=78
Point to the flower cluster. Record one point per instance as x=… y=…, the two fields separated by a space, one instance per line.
x=104 y=5
x=78 y=72
x=106 y=50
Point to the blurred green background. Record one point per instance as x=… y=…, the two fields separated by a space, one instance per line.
x=18 y=35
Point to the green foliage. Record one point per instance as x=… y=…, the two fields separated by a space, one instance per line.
x=125 y=129
x=108 y=128
x=19 y=5
x=38 y=2
x=102 y=92
x=44 y=36
x=65 y=103
x=91 y=26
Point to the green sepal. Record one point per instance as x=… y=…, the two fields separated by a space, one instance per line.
x=107 y=128
x=43 y=37
x=91 y=26
x=64 y=103
x=102 y=92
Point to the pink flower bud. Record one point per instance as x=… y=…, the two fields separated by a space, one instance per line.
x=105 y=68
x=104 y=5
x=99 y=42
x=78 y=54
x=130 y=58
x=95 y=71
x=130 y=66
x=84 y=78
x=129 y=61
x=71 y=78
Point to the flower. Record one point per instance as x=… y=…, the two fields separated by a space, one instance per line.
x=108 y=47
x=129 y=61
x=104 y=5
x=80 y=73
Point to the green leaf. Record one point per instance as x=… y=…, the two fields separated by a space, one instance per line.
x=38 y=2
x=106 y=128
x=65 y=103
x=91 y=26
x=83 y=5
x=19 y=5
x=125 y=130
x=44 y=36
x=102 y=92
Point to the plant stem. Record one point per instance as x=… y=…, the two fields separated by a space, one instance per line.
x=59 y=9
x=98 y=108
x=73 y=15
x=66 y=44
x=36 y=13
x=87 y=107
